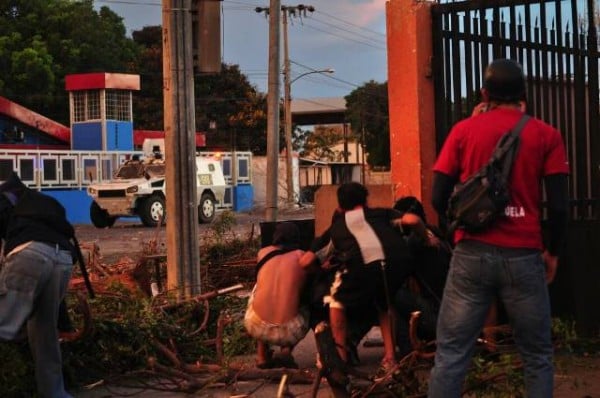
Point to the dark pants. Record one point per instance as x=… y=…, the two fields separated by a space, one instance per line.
x=406 y=302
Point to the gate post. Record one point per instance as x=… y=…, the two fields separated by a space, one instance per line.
x=411 y=99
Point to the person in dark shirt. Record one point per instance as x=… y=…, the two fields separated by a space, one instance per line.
x=424 y=288
x=371 y=263
x=34 y=278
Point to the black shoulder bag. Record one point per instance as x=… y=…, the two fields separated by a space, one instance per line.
x=482 y=198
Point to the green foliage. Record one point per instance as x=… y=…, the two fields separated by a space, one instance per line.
x=367 y=111
x=564 y=333
x=496 y=376
x=126 y=328
x=239 y=110
x=566 y=338
x=226 y=99
x=16 y=370
x=220 y=245
x=148 y=104
x=222 y=226
x=41 y=41
x=319 y=144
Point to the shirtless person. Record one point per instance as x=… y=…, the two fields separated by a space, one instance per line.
x=274 y=315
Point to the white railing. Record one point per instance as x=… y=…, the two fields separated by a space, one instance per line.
x=59 y=169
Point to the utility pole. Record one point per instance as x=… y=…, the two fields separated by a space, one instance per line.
x=363 y=145
x=272 y=108
x=289 y=165
x=285 y=11
x=292 y=11
x=183 y=265
x=345 y=130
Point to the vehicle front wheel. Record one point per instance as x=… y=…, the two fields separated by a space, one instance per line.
x=100 y=217
x=206 y=208
x=152 y=211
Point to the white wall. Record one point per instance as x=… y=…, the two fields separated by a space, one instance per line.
x=259 y=180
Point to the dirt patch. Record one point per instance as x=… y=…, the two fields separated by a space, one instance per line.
x=577 y=376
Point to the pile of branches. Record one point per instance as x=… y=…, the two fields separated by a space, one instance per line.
x=136 y=329
x=136 y=333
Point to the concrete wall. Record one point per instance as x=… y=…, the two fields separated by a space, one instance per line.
x=411 y=99
x=259 y=180
x=326 y=202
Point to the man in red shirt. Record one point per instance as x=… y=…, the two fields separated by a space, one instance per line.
x=508 y=261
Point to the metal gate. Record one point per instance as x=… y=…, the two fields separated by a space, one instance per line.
x=556 y=43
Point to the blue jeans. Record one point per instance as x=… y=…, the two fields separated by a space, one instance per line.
x=478 y=274
x=33 y=282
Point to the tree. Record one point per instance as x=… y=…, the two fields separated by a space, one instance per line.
x=236 y=107
x=367 y=111
x=148 y=102
x=228 y=107
x=41 y=41
x=321 y=142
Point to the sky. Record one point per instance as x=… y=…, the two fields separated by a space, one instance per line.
x=345 y=35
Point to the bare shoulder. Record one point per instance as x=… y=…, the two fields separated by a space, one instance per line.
x=265 y=250
x=268 y=249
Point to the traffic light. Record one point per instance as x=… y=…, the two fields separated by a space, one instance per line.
x=206 y=30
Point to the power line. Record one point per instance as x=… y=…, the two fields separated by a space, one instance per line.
x=324 y=82
x=327 y=76
x=351 y=24
x=135 y=3
x=377 y=41
x=343 y=37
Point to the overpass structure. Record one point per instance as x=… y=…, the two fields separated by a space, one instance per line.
x=311 y=111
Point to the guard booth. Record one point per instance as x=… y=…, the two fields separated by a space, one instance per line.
x=101 y=110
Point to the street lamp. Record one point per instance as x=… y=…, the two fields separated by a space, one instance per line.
x=328 y=70
x=288 y=124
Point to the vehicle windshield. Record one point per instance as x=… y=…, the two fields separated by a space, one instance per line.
x=130 y=170
x=155 y=170
x=139 y=170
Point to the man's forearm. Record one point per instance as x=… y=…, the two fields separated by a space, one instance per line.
x=441 y=190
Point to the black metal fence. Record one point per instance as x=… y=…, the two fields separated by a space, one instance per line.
x=556 y=43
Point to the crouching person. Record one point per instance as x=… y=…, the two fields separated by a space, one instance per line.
x=424 y=288
x=275 y=315
x=35 y=275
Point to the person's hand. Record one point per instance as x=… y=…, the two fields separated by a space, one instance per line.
x=327 y=264
x=480 y=108
x=410 y=219
x=433 y=241
x=551 y=263
x=307 y=259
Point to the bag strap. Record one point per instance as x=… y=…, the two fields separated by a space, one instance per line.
x=84 y=273
x=508 y=142
x=512 y=151
x=267 y=257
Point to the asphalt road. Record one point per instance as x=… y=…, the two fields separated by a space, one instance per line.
x=128 y=236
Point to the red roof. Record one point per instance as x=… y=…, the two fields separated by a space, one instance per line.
x=140 y=135
x=35 y=120
x=91 y=81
